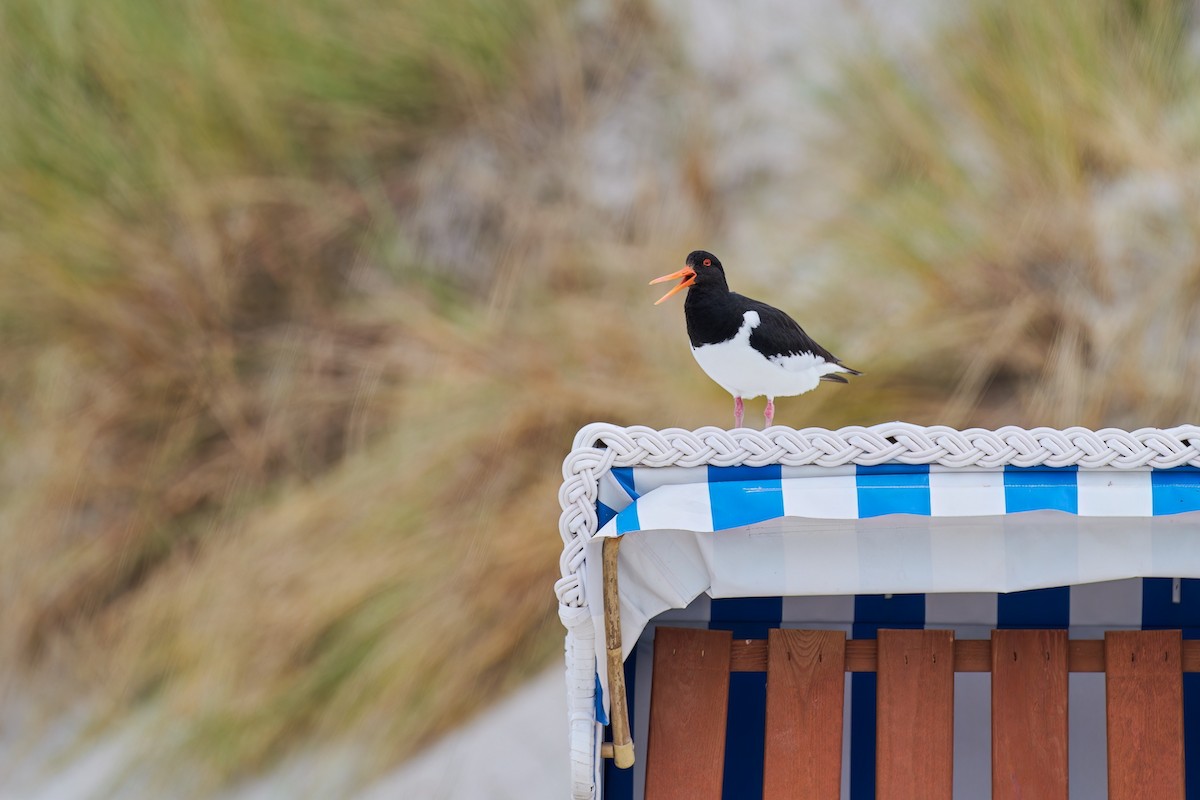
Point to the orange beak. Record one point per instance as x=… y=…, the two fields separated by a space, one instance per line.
x=689 y=277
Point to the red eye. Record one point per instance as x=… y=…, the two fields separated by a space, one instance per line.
x=708 y=262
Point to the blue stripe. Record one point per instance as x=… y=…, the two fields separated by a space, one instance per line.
x=862 y=735
x=603 y=514
x=601 y=716
x=624 y=477
x=746 y=618
x=618 y=783
x=1038 y=489
x=744 y=742
x=743 y=473
x=1158 y=610
x=627 y=520
x=1175 y=491
x=745 y=495
x=742 y=496
x=1041 y=488
x=875 y=611
x=888 y=489
x=872 y=612
x=893 y=489
x=1037 y=608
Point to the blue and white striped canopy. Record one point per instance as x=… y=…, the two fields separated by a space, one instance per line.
x=860 y=548
x=889 y=529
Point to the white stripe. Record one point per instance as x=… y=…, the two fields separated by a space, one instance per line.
x=965 y=494
x=895 y=551
x=699 y=611
x=970 y=615
x=676 y=507
x=1041 y=548
x=824 y=560
x=1087 y=745
x=819 y=612
x=834 y=497
x=957 y=542
x=1116 y=548
x=1115 y=493
x=973 y=734
x=1096 y=607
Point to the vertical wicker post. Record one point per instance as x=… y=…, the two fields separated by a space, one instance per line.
x=622 y=742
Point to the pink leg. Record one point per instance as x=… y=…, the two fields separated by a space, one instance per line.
x=739 y=411
x=769 y=411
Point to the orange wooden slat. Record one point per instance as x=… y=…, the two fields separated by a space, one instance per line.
x=970 y=655
x=689 y=698
x=748 y=655
x=1085 y=655
x=914 y=740
x=805 y=687
x=1029 y=714
x=1144 y=692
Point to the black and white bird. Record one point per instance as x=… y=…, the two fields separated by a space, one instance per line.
x=748 y=347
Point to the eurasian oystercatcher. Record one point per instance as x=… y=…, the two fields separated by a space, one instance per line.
x=748 y=347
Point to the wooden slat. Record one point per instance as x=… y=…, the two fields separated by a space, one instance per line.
x=1085 y=655
x=1029 y=714
x=805 y=686
x=970 y=655
x=748 y=655
x=914 y=743
x=685 y=752
x=1144 y=692
x=860 y=655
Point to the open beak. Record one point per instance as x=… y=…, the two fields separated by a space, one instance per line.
x=689 y=277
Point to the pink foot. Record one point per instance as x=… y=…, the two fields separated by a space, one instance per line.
x=769 y=412
x=739 y=412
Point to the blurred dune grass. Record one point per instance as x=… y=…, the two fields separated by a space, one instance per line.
x=259 y=448
x=258 y=454
x=1027 y=189
x=203 y=320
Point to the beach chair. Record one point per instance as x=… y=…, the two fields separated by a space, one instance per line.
x=893 y=612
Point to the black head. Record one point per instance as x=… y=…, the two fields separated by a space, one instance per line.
x=701 y=268
x=703 y=261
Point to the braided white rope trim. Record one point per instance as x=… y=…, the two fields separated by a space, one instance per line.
x=599 y=447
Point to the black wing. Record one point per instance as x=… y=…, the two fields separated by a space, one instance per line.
x=778 y=334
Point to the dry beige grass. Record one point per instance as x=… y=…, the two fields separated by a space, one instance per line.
x=1026 y=191
x=297 y=488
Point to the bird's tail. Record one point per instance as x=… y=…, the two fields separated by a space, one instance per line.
x=834 y=377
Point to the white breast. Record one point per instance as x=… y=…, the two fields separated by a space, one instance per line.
x=744 y=372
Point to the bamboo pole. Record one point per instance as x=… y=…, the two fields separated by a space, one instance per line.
x=622 y=745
